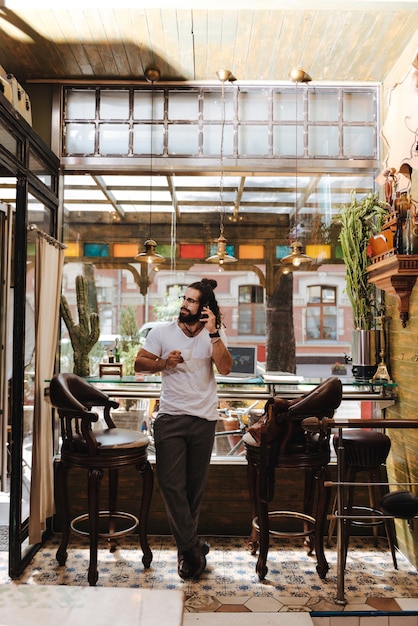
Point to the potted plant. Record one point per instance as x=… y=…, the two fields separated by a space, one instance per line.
x=359 y=221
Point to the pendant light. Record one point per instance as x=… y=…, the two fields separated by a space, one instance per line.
x=296 y=258
x=221 y=255
x=149 y=255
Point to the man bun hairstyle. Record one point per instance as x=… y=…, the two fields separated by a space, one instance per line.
x=206 y=287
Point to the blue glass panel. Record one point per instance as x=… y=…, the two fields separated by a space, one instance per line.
x=230 y=249
x=282 y=251
x=96 y=249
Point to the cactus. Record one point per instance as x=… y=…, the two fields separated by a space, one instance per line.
x=85 y=334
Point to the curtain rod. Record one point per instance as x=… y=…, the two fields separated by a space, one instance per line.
x=49 y=239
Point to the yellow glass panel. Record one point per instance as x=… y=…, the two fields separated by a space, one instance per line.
x=251 y=252
x=319 y=251
x=73 y=249
x=125 y=250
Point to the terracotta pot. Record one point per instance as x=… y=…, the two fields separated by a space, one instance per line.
x=381 y=243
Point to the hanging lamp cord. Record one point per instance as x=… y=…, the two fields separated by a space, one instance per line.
x=151 y=152
x=296 y=165
x=221 y=182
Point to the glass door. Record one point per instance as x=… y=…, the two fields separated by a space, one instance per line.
x=6 y=305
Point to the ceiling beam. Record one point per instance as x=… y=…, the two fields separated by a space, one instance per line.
x=173 y=194
x=109 y=195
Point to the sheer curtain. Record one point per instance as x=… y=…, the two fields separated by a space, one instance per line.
x=48 y=274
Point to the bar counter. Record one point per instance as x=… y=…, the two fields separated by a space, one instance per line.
x=149 y=386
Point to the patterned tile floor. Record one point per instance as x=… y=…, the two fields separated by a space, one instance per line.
x=230 y=583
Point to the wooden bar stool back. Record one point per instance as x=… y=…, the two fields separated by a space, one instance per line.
x=292 y=448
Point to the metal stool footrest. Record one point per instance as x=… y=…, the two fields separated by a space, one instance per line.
x=368 y=512
x=106 y=514
x=289 y=533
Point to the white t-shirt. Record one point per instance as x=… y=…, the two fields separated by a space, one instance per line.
x=190 y=387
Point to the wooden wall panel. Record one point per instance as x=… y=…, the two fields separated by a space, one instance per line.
x=226 y=509
x=403 y=459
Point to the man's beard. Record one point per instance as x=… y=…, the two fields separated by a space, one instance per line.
x=188 y=318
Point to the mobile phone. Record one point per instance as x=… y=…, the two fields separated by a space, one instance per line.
x=204 y=316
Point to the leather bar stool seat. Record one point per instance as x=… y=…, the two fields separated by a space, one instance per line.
x=364 y=451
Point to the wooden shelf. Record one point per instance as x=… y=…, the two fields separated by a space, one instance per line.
x=395 y=274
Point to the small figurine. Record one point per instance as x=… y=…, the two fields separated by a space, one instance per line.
x=389 y=175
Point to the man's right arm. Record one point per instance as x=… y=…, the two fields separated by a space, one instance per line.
x=147 y=362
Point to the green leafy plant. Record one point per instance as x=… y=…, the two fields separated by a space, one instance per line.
x=169 y=309
x=359 y=221
x=129 y=331
x=128 y=359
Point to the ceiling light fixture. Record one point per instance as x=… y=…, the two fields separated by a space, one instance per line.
x=221 y=255
x=149 y=255
x=296 y=258
x=299 y=76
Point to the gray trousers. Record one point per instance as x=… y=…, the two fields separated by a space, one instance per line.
x=183 y=445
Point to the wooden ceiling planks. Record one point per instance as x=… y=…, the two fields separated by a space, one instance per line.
x=177 y=42
x=322 y=37
x=292 y=30
x=392 y=36
x=161 y=55
x=118 y=36
x=131 y=38
x=142 y=41
x=108 y=51
x=227 y=48
x=214 y=43
x=85 y=55
x=258 y=55
x=244 y=25
x=185 y=43
x=28 y=47
x=200 y=34
x=192 y=44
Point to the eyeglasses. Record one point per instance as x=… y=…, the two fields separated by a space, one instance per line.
x=189 y=300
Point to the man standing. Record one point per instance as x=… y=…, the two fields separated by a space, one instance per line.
x=184 y=430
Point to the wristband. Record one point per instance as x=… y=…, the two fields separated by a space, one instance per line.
x=215 y=334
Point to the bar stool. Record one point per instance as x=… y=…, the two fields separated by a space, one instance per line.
x=364 y=451
x=278 y=442
x=96 y=451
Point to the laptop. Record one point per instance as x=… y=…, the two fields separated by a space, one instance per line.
x=244 y=364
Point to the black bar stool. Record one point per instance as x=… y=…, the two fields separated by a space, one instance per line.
x=364 y=451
